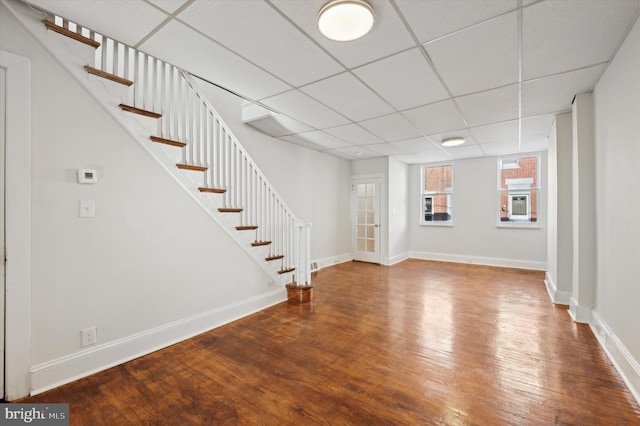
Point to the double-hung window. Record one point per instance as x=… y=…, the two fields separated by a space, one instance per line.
x=436 y=194
x=518 y=190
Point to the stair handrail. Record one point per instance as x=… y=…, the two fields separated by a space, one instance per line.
x=129 y=59
x=302 y=261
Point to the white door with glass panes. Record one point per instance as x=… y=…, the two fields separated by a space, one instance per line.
x=365 y=195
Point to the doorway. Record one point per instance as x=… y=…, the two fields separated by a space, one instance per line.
x=3 y=96
x=16 y=220
x=365 y=202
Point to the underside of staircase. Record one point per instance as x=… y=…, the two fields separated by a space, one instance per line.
x=207 y=159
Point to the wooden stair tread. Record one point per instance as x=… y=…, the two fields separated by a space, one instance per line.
x=168 y=141
x=212 y=190
x=191 y=167
x=108 y=76
x=260 y=243
x=229 y=210
x=246 y=227
x=274 y=257
x=286 y=270
x=140 y=111
x=71 y=34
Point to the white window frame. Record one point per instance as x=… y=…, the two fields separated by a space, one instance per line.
x=519 y=187
x=424 y=194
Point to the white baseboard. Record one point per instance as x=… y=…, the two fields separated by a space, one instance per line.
x=396 y=259
x=479 y=260
x=557 y=296
x=579 y=313
x=334 y=260
x=620 y=357
x=73 y=367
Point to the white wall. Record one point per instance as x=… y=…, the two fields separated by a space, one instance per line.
x=559 y=213
x=617 y=140
x=475 y=237
x=152 y=267
x=551 y=275
x=583 y=287
x=314 y=185
x=398 y=211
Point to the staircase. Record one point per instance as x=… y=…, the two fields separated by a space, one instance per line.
x=164 y=109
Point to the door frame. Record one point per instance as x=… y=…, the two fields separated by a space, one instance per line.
x=377 y=179
x=18 y=225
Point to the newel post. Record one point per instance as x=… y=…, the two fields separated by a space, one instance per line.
x=301 y=289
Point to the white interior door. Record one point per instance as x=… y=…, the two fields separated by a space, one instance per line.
x=365 y=202
x=2 y=221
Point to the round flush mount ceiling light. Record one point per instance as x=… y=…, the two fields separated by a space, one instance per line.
x=454 y=141
x=345 y=20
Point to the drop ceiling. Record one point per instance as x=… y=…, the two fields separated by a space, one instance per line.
x=493 y=71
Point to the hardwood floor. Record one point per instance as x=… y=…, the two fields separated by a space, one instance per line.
x=419 y=343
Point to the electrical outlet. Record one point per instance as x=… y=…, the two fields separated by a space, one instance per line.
x=89 y=336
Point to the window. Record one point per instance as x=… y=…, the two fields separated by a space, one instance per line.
x=518 y=187
x=436 y=193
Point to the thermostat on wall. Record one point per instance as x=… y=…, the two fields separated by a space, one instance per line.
x=87 y=176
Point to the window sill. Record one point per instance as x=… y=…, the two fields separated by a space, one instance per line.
x=523 y=225
x=445 y=224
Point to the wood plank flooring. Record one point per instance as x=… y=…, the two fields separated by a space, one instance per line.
x=418 y=343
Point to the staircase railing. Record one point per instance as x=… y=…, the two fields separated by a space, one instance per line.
x=188 y=116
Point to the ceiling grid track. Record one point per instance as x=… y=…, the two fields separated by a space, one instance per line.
x=427 y=70
x=519 y=75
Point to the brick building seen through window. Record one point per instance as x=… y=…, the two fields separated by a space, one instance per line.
x=437 y=191
x=518 y=189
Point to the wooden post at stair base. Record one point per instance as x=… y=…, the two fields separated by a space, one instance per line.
x=298 y=294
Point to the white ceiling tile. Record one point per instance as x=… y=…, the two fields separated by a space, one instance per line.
x=347 y=95
x=491 y=106
x=339 y=154
x=499 y=132
x=393 y=127
x=500 y=148
x=124 y=20
x=305 y=109
x=466 y=151
x=416 y=85
x=436 y=18
x=413 y=146
x=564 y=35
x=436 y=118
x=388 y=35
x=508 y=131
x=355 y=134
x=325 y=140
x=355 y=152
x=479 y=58
x=384 y=149
x=540 y=125
x=428 y=157
x=555 y=94
x=219 y=65
x=256 y=31
x=407 y=158
x=169 y=6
